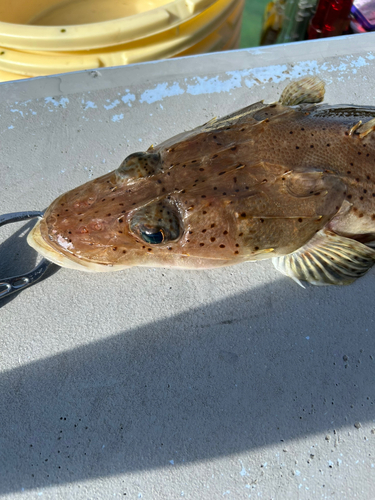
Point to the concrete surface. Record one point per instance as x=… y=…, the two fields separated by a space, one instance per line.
x=153 y=383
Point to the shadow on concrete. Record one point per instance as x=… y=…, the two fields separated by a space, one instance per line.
x=17 y=257
x=249 y=371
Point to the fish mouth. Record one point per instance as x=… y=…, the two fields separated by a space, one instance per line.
x=36 y=241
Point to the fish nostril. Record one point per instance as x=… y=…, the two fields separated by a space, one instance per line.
x=97 y=225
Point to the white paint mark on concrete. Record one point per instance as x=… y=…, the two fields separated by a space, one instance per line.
x=358 y=63
x=215 y=85
x=117 y=118
x=160 y=91
x=112 y=104
x=128 y=98
x=56 y=102
x=17 y=111
x=89 y=105
x=255 y=76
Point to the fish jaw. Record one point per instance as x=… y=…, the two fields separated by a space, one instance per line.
x=36 y=241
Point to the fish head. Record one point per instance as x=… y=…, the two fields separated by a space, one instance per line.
x=135 y=216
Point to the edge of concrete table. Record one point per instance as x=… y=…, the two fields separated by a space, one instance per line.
x=153 y=383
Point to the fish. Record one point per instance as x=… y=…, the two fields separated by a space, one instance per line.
x=292 y=181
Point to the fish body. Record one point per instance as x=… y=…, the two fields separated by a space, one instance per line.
x=292 y=180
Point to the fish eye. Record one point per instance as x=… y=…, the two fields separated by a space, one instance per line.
x=139 y=165
x=153 y=236
x=156 y=223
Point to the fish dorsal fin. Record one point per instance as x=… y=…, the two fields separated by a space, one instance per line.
x=238 y=116
x=363 y=129
x=309 y=89
x=327 y=259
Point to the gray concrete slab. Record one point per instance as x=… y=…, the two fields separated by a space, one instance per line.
x=153 y=383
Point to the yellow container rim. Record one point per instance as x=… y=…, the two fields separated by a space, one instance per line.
x=190 y=33
x=103 y=34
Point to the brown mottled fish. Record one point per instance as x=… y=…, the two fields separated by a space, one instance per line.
x=293 y=181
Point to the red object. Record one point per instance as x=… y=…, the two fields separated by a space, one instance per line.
x=331 y=18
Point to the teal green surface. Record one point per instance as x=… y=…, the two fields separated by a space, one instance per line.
x=252 y=22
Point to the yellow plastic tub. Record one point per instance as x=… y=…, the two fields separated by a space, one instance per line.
x=40 y=37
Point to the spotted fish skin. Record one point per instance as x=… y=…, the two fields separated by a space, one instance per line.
x=257 y=184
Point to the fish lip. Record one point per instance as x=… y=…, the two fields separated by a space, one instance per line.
x=36 y=241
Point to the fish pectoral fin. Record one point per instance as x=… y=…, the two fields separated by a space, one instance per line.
x=309 y=89
x=327 y=259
